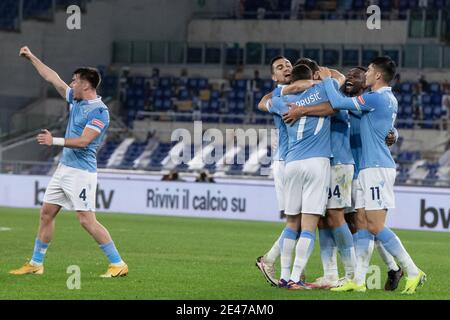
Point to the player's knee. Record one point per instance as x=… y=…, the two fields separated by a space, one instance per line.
x=85 y=221
x=373 y=228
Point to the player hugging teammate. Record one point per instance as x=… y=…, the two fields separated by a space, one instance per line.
x=336 y=162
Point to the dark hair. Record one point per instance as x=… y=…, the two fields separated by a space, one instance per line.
x=361 y=68
x=312 y=64
x=301 y=72
x=386 y=66
x=91 y=75
x=273 y=61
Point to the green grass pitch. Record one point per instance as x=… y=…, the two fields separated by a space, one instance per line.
x=182 y=258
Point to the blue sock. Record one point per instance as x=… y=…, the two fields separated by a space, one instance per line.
x=355 y=238
x=40 y=248
x=111 y=252
x=287 y=245
x=328 y=254
x=364 y=250
x=393 y=245
x=344 y=241
x=303 y=250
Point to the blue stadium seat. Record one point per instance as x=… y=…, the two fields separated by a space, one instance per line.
x=435 y=87
x=267 y=85
x=359 y=4
x=9 y=14
x=41 y=9
x=426 y=99
x=350 y=57
x=330 y=57
x=406 y=87
x=436 y=99
x=437 y=111
x=407 y=98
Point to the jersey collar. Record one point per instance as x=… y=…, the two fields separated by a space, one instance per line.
x=98 y=99
x=383 y=89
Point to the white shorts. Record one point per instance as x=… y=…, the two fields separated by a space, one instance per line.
x=378 y=188
x=306 y=186
x=278 y=178
x=357 y=196
x=72 y=189
x=340 y=192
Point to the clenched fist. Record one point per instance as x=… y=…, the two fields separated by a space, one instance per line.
x=45 y=138
x=25 y=52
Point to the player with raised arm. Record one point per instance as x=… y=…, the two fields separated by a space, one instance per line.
x=377 y=170
x=74 y=183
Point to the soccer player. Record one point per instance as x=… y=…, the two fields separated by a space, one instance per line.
x=307 y=174
x=377 y=171
x=281 y=69
x=355 y=86
x=333 y=230
x=73 y=185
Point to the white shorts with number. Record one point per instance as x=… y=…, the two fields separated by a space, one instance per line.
x=306 y=186
x=340 y=192
x=278 y=178
x=378 y=188
x=72 y=189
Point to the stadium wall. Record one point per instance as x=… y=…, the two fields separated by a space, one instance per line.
x=394 y=32
x=417 y=208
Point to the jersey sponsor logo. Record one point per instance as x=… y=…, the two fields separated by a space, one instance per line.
x=98 y=123
x=361 y=100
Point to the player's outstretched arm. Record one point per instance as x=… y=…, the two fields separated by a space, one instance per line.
x=88 y=135
x=262 y=105
x=337 y=100
x=45 y=72
x=296 y=112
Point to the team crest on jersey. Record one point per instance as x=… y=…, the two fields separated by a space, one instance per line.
x=361 y=100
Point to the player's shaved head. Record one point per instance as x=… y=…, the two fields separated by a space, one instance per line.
x=301 y=72
x=90 y=75
x=386 y=66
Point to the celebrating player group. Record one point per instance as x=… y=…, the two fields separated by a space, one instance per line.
x=333 y=170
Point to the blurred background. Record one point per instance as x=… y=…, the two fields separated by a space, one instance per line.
x=166 y=64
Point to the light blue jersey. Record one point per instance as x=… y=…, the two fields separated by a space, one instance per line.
x=309 y=136
x=92 y=114
x=379 y=110
x=355 y=140
x=283 y=140
x=340 y=139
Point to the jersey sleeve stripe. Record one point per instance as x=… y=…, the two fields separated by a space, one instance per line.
x=94 y=128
